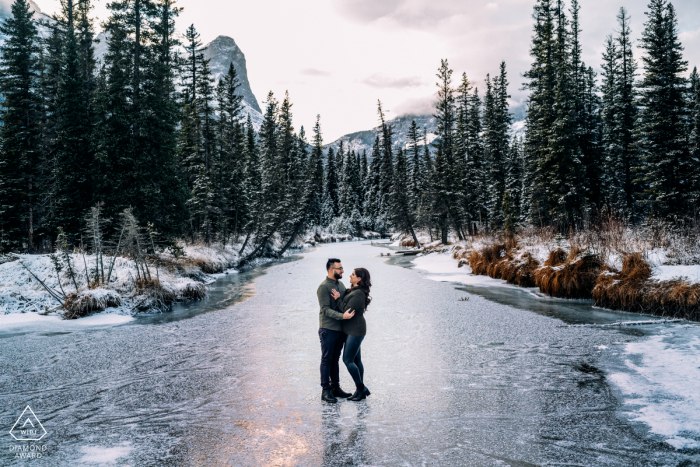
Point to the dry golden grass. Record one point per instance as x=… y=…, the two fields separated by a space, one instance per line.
x=569 y=276
x=632 y=290
x=499 y=261
x=77 y=306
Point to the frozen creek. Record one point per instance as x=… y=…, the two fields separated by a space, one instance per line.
x=233 y=380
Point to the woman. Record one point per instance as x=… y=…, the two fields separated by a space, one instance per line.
x=357 y=299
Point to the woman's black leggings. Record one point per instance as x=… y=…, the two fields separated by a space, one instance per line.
x=353 y=359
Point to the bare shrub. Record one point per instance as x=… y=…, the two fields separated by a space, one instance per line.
x=78 y=305
x=153 y=295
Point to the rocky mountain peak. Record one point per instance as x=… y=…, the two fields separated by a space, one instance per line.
x=223 y=51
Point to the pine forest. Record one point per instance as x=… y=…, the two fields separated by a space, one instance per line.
x=148 y=131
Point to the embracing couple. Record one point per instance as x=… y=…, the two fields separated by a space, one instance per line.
x=338 y=328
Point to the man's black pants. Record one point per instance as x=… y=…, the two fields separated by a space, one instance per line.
x=331 y=348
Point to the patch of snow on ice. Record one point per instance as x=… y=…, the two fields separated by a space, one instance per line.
x=102 y=319
x=104 y=455
x=667 y=273
x=661 y=388
x=443 y=268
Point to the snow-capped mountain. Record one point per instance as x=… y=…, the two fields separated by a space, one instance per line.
x=220 y=52
x=364 y=140
x=6 y=11
x=223 y=51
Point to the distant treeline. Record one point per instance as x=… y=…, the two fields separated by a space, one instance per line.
x=150 y=129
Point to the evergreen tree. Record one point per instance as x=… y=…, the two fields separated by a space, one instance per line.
x=315 y=188
x=662 y=135
x=233 y=198
x=253 y=183
x=332 y=184
x=496 y=125
x=540 y=119
x=75 y=123
x=513 y=183
x=20 y=132
x=446 y=202
x=694 y=107
x=476 y=175
x=401 y=213
x=627 y=112
x=613 y=169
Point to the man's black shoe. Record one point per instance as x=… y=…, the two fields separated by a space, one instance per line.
x=327 y=396
x=337 y=392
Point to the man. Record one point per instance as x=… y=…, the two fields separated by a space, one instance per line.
x=331 y=331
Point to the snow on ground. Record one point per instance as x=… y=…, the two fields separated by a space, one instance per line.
x=443 y=268
x=660 y=384
x=667 y=273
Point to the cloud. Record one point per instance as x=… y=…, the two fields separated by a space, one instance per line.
x=314 y=72
x=380 y=82
x=416 y=106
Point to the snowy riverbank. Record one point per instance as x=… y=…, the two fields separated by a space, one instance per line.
x=631 y=269
x=655 y=377
x=24 y=280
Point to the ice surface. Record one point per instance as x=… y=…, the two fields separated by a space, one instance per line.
x=103 y=455
x=661 y=384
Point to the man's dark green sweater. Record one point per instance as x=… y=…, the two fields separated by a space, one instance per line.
x=330 y=316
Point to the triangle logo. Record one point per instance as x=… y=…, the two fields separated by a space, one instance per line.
x=28 y=427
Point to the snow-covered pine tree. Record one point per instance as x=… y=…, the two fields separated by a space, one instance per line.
x=514 y=182
x=332 y=183
x=540 y=119
x=662 y=137
x=589 y=136
x=461 y=149
x=253 y=184
x=340 y=163
x=372 y=188
x=627 y=112
x=414 y=171
x=315 y=176
x=694 y=107
x=476 y=171
x=386 y=158
x=19 y=132
x=446 y=203
x=401 y=214
x=497 y=120
x=75 y=123
x=564 y=178
x=230 y=175
x=162 y=193
x=612 y=179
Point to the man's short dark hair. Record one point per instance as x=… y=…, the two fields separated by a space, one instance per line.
x=331 y=262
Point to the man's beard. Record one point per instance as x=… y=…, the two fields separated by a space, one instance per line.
x=337 y=276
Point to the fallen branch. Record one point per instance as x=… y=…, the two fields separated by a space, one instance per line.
x=623 y=323
x=51 y=292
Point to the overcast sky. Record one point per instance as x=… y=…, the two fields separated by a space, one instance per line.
x=337 y=57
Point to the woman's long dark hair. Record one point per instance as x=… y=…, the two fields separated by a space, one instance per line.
x=365 y=284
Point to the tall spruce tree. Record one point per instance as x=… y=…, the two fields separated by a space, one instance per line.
x=497 y=120
x=402 y=215
x=332 y=183
x=694 y=107
x=446 y=202
x=662 y=136
x=20 y=132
